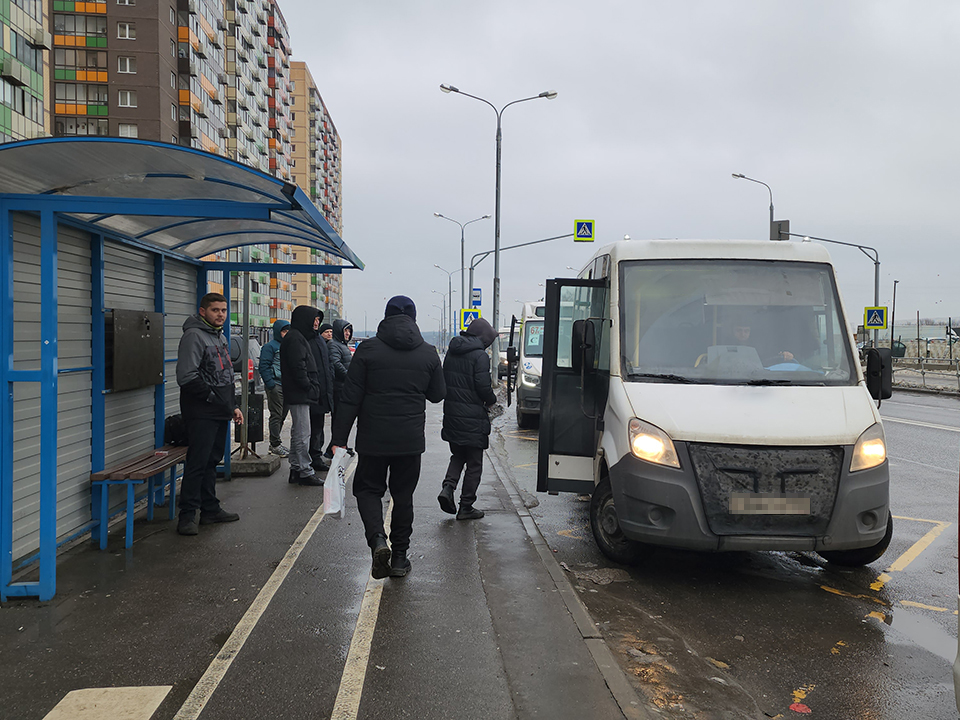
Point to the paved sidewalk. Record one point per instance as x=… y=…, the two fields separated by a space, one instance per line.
x=481 y=628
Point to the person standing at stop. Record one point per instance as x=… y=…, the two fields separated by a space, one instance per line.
x=271 y=374
x=389 y=381
x=301 y=389
x=207 y=404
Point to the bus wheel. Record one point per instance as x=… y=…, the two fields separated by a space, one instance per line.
x=606 y=527
x=860 y=556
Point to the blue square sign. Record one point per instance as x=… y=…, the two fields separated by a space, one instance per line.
x=468 y=316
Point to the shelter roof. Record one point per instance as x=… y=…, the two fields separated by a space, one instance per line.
x=171 y=197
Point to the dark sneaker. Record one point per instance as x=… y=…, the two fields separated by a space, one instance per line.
x=468 y=512
x=294 y=476
x=399 y=564
x=311 y=480
x=328 y=455
x=381 y=557
x=187 y=525
x=445 y=498
x=219 y=516
x=320 y=465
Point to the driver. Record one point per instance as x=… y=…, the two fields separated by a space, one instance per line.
x=741 y=333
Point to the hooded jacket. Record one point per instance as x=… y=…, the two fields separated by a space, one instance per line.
x=340 y=355
x=299 y=376
x=389 y=381
x=466 y=371
x=269 y=367
x=321 y=355
x=204 y=372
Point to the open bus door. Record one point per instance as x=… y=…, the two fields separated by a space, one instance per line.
x=573 y=384
x=513 y=358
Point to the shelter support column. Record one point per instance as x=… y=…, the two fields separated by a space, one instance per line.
x=6 y=400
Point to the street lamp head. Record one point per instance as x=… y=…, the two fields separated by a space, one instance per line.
x=437 y=215
x=485 y=217
x=449 y=88
x=738 y=175
x=548 y=94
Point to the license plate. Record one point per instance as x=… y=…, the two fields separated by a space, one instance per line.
x=768 y=504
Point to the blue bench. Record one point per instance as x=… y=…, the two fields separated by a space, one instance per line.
x=150 y=468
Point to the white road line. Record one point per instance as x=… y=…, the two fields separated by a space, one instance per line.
x=347 y=705
x=215 y=673
x=949 y=428
x=116 y=703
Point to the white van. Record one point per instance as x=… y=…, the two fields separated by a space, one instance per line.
x=529 y=359
x=707 y=395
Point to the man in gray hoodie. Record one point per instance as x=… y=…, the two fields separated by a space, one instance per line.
x=207 y=404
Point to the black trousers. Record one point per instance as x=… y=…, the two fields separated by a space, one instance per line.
x=472 y=458
x=316 y=435
x=369 y=486
x=208 y=440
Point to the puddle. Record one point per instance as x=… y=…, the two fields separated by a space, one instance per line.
x=924 y=632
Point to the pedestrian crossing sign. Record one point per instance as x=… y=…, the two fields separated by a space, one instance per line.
x=467 y=316
x=875 y=318
x=583 y=230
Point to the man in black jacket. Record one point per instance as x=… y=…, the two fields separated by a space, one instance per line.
x=301 y=390
x=207 y=403
x=389 y=381
x=466 y=424
x=319 y=410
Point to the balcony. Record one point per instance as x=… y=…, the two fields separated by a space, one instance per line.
x=187 y=67
x=14 y=72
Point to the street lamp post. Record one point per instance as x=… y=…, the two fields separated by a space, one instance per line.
x=449 y=295
x=481 y=256
x=893 y=316
x=774 y=233
x=549 y=95
x=463 y=263
x=443 y=316
x=866 y=250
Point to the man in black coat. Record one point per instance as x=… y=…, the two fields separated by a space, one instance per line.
x=466 y=423
x=301 y=390
x=318 y=411
x=389 y=381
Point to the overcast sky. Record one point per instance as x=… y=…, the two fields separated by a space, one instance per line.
x=848 y=110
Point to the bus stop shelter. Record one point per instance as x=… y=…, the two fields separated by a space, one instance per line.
x=90 y=227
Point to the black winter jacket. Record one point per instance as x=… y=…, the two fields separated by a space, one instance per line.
x=466 y=371
x=390 y=379
x=321 y=354
x=298 y=368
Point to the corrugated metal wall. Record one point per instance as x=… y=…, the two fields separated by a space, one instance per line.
x=73 y=401
x=128 y=285
x=180 y=301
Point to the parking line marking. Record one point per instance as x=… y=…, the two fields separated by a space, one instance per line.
x=901 y=563
x=347 y=704
x=217 y=670
x=116 y=703
x=910 y=603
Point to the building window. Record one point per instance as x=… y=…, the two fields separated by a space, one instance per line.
x=127 y=98
x=126 y=2
x=173 y=80
x=79 y=25
x=173 y=16
x=173 y=112
x=81 y=126
x=173 y=48
x=127 y=130
x=126 y=31
x=173 y=139
x=127 y=65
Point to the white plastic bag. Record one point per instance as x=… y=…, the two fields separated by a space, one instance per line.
x=335 y=486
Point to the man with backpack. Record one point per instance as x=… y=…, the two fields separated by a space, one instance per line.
x=271 y=374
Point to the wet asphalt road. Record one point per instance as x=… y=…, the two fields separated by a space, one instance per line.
x=754 y=635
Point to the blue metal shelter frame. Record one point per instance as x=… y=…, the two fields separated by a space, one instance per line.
x=173 y=201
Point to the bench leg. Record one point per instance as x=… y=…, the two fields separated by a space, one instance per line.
x=150 y=496
x=130 y=496
x=173 y=492
x=104 y=517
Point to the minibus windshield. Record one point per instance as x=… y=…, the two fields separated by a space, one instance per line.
x=748 y=322
x=533 y=338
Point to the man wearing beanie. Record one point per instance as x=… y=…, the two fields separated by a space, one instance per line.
x=466 y=424
x=389 y=381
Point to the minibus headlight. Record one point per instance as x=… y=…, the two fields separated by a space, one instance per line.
x=530 y=380
x=650 y=443
x=870 y=450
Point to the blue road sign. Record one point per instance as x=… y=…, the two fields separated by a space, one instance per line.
x=475 y=298
x=875 y=318
x=583 y=230
x=468 y=316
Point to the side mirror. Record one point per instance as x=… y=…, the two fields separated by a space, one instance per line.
x=583 y=346
x=879 y=373
x=512 y=355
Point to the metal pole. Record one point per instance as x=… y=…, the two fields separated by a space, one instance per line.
x=893 y=315
x=463 y=279
x=876 y=295
x=495 y=350
x=450 y=303
x=244 y=352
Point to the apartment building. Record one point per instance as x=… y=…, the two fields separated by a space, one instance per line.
x=316 y=169
x=24 y=79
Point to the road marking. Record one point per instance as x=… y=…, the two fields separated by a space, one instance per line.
x=347 y=704
x=910 y=603
x=215 y=673
x=844 y=593
x=949 y=428
x=116 y=703
x=921 y=464
x=901 y=563
x=525 y=465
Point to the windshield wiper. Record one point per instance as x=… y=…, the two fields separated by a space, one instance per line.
x=663 y=376
x=770 y=382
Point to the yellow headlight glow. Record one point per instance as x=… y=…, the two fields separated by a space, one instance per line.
x=870 y=450
x=652 y=444
x=648 y=447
